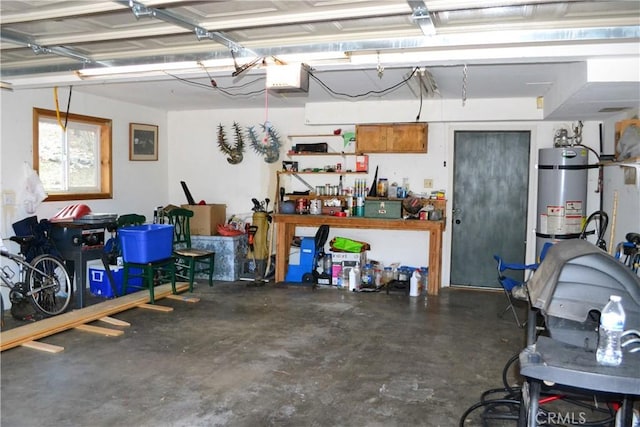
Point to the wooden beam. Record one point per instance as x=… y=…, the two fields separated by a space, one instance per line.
x=155 y=307
x=113 y=321
x=100 y=330
x=52 y=325
x=183 y=298
x=41 y=346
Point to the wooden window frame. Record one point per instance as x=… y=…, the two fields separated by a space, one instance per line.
x=106 y=172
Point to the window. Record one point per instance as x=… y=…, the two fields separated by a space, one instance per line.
x=72 y=155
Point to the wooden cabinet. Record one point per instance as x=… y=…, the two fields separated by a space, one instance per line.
x=392 y=138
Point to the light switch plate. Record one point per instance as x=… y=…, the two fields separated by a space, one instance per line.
x=8 y=198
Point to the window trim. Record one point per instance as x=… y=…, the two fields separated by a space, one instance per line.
x=106 y=169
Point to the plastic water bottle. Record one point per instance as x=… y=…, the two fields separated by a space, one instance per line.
x=354 y=279
x=612 y=320
x=413 y=284
x=367 y=276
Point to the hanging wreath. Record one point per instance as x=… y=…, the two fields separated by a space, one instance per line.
x=269 y=145
x=234 y=153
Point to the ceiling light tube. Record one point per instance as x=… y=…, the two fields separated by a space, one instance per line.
x=313 y=57
x=140 y=68
x=216 y=63
x=389 y=58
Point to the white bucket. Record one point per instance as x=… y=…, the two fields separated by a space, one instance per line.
x=315 y=207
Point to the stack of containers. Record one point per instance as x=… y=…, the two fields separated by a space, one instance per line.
x=340 y=261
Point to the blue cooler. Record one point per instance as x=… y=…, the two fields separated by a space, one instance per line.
x=99 y=281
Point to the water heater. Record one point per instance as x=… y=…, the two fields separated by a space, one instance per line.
x=562 y=194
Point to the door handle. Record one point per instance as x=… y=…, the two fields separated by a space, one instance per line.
x=456 y=214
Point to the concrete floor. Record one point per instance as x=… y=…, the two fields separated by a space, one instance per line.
x=270 y=356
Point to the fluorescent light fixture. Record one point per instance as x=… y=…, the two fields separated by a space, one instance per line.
x=309 y=57
x=6 y=86
x=390 y=58
x=217 y=63
x=139 y=68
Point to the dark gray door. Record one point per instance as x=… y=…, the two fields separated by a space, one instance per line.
x=490 y=186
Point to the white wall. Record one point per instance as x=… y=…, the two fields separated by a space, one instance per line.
x=137 y=186
x=188 y=152
x=211 y=178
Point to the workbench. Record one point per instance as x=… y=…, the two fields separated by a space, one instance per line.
x=286 y=227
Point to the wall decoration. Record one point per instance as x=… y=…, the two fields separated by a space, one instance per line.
x=235 y=152
x=269 y=145
x=143 y=142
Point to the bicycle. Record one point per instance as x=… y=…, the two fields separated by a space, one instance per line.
x=628 y=252
x=44 y=281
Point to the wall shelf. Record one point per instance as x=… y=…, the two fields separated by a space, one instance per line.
x=320 y=135
x=342 y=154
x=322 y=173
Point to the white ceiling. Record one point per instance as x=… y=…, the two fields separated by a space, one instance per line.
x=479 y=49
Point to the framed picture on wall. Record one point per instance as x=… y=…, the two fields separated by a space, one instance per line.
x=143 y=142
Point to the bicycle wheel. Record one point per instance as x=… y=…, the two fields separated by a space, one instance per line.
x=49 y=285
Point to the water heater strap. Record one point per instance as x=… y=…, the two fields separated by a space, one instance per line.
x=558 y=236
x=568 y=167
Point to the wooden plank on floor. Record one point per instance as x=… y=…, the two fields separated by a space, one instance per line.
x=52 y=325
x=155 y=307
x=113 y=321
x=100 y=330
x=41 y=346
x=183 y=298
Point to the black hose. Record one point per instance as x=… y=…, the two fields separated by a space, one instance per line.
x=481 y=404
x=512 y=391
x=512 y=401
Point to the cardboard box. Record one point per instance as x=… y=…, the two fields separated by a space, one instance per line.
x=349 y=257
x=391 y=209
x=206 y=218
x=336 y=273
x=331 y=210
x=362 y=163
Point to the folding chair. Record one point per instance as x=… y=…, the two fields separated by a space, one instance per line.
x=511 y=285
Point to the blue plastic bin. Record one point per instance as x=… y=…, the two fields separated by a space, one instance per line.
x=146 y=243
